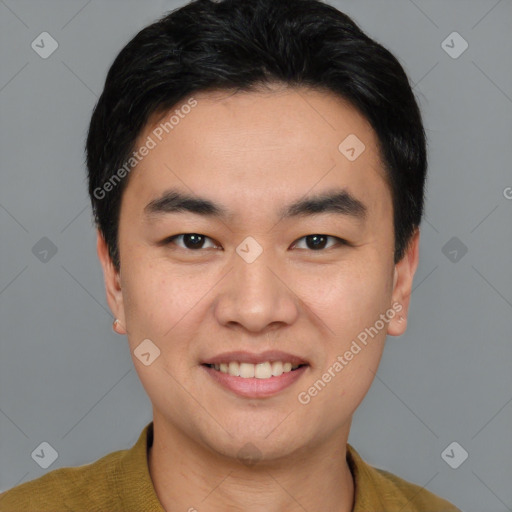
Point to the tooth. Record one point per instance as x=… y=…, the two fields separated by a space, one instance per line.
x=263 y=371
x=246 y=370
x=277 y=368
x=234 y=368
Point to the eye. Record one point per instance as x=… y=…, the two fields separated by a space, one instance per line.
x=192 y=241
x=318 y=242
x=196 y=241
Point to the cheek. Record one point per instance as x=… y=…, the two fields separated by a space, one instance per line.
x=352 y=306
x=348 y=296
x=161 y=299
x=148 y=298
x=160 y=307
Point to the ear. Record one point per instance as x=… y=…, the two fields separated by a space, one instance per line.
x=112 y=283
x=402 y=285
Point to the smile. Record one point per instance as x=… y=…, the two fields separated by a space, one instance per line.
x=264 y=370
x=255 y=380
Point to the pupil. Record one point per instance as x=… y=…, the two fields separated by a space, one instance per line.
x=195 y=240
x=316 y=238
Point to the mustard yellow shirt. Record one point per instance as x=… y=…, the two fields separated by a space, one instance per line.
x=120 y=481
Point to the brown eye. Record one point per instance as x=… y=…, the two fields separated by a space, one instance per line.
x=191 y=241
x=318 y=242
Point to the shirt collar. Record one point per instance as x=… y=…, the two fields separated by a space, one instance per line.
x=366 y=483
x=134 y=485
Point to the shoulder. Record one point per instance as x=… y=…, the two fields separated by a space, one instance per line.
x=376 y=488
x=412 y=494
x=87 y=487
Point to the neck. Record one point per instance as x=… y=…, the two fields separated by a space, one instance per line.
x=189 y=477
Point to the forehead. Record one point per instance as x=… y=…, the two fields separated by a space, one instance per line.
x=250 y=148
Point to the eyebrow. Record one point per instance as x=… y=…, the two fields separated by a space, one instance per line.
x=338 y=201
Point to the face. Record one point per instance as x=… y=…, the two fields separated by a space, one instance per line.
x=283 y=252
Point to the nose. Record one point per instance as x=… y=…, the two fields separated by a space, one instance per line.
x=257 y=296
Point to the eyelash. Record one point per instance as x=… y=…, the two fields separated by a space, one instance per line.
x=340 y=241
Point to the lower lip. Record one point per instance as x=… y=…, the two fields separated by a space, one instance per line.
x=256 y=388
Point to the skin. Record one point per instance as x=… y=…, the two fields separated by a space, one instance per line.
x=253 y=153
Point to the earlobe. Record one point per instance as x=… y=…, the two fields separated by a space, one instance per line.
x=117 y=327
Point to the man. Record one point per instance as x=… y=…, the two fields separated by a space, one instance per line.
x=256 y=171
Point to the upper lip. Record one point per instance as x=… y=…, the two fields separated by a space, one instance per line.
x=248 y=357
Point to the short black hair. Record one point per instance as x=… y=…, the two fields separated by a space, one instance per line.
x=240 y=45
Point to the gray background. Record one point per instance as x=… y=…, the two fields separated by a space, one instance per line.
x=66 y=379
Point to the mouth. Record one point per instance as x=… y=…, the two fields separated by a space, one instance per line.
x=265 y=370
x=255 y=375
